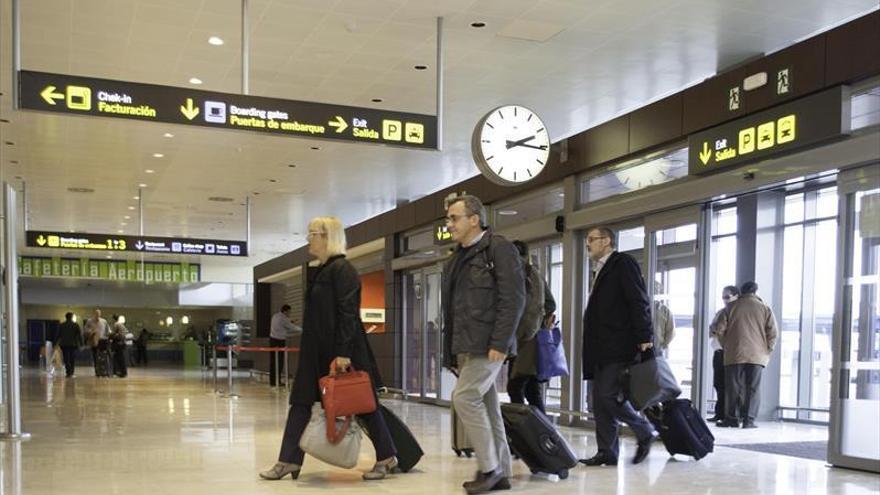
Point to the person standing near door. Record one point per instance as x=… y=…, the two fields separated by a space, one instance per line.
x=728 y=295
x=617 y=327
x=483 y=298
x=522 y=383
x=70 y=339
x=96 y=329
x=747 y=332
x=280 y=329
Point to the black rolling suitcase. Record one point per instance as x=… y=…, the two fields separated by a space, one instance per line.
x=409 y=452
x=536 y=441
x=682 y=429
x=102 y=363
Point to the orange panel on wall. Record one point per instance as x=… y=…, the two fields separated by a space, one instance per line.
x=373 y=297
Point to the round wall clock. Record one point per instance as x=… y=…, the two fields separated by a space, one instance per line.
x=510 y=145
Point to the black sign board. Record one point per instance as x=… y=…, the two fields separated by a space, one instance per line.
x=135 y=244
x=793 y=125
x=441 y=234
x=149 y=102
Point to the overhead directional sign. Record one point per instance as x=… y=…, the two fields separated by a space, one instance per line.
x=136 y=244
x=442 y=234
x=799 y=123
x=149 y=102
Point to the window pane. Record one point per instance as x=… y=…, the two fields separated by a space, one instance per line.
x=826 y=203
x=794 y=208
x=790 y=325
x=677 y=234
x=631 y=239
x=825 y=265
x=724 y=222
x=657 y=171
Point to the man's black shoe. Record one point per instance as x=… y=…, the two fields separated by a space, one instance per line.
x=484 y=482
x=726 y=423
x=504 y=484
x=749 y=424
x=599 y=460
x=644 y=449
x=715 y=419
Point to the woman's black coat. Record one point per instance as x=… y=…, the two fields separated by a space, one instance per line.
x=331 y=327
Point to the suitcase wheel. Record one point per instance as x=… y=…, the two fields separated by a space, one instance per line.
x=562 y=474
x=457 y=452
x=468 y=453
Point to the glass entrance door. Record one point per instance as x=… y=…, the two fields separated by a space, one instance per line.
x=674 y=268
x=855 y=401
x=424 y=375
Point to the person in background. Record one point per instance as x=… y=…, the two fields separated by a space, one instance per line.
x=747 y=332
x=70 y=339
x=522 y=383
x=141 y=346
x=332 y=333
x=117 y=339
x=483 y=298
x=729 y=294
x=280 y=329
x=96 y=329
x=664 y=323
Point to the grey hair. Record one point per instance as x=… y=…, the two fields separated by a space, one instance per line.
x=473 y=206
x=606 y=232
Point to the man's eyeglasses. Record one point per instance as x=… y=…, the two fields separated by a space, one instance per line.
x=591 y=240
x=725 y=298
x=455 y=218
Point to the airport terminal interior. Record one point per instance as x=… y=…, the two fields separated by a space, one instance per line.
x=161 y=163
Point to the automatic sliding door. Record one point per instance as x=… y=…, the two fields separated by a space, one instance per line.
x=855 y=431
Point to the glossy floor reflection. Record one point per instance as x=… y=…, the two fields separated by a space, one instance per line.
x=165 y=432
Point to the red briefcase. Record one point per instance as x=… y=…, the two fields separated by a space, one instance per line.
x=347 y=394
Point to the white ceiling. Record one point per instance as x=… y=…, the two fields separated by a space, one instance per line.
x=606 y=57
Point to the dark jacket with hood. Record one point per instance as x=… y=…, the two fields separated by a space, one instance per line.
x=483 y=298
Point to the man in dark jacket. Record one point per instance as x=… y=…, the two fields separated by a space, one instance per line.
x=617 y=327
x=483 y=298
x=70 y=339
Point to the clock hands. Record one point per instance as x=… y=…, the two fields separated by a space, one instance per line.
x=521 y=142
x=542 y=147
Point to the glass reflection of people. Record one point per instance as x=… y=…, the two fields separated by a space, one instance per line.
x=664 y=323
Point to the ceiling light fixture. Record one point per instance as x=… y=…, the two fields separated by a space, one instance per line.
x=168 y=135
x=135 y=198
x=120 y=231
x=420 y=67
x=127 y=217
x=478 y=24
x=215 y=40
x=149 y=171
x=195 y=80
x=131 y=207
x=80 y=189
x=123 y=224
x=291 y=165
x=376 y=100
x=158 y=155
x=507 y=213
x=142 y=185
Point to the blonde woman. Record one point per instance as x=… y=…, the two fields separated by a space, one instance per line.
x=332 y=331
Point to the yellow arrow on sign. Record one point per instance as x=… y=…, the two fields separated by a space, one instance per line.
x=339 y=124
x=41 y=240
x=706 y=154
x=189 y=111
x=50 y=95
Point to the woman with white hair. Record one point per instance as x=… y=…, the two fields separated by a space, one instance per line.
x=332 y=332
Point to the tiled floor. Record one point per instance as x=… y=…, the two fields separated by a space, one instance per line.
x=165 y=432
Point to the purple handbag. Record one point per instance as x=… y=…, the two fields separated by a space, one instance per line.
x=551 y=354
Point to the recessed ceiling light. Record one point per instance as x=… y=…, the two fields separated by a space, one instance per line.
x=142 y=185
x=127 y=217
x=291 y=165
x=376 y=100
x=131 y=207
x=168 y=135
x=195 y=80
x=158 y=155
x=80 y=189
x=14 y=162
x=273 y=180
x=120 y=231
x=316 y=148
x=136 y=197
x=9 y=143
x=215 y=40
x=123 y=224
x=149 y=171
x=220 y=199
x=478 y=24
x=420 y=67
x=109 y=256
x=507 y=213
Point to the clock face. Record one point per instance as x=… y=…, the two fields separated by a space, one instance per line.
x=510 y=145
